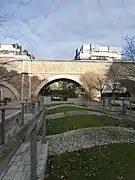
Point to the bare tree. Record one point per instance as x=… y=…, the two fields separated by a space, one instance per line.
x=113 y=77
x=129 y=54
x=92 y=82
x=88 y=81
x=100 y=83
x=5 y=74
x=130 y=48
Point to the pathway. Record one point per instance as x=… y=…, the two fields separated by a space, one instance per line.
x=19 y=167
x=10 y=137
x=13 y=104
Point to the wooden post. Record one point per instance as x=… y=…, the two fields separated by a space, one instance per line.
x=22 y=116
x=33 y=154
x=44 y=127
x=2 y=126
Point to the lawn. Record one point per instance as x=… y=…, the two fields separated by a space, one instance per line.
x=66 y=109
x=68 y=123
x=53 y=104
x=57 y=103
x=111 y=162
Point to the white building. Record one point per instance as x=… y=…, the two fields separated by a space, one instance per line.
x=14 y=52
x=98 y=52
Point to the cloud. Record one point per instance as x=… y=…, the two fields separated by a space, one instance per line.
x=54 y=29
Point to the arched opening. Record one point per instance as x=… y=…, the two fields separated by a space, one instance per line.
x=64 y=84
x=8 y=91
x=59 y=87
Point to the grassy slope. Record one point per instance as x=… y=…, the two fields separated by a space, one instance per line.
x=112 y=162
x=66 y=109
x=76 y=122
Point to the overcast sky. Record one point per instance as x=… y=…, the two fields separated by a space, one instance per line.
x=53 y=29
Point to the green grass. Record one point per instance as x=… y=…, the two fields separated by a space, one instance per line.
x=55 y=104
x=66 y=109
x=68 y=123
x=111 y=162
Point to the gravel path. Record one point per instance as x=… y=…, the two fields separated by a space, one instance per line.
x=89 y=137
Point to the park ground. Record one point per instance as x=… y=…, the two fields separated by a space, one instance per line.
x=88 y=147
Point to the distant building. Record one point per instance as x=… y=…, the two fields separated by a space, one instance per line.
x=98 y=52
x=14 y=52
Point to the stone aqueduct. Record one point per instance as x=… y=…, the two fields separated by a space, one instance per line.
x=31 y=76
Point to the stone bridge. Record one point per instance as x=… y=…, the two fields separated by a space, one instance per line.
x=30 y=76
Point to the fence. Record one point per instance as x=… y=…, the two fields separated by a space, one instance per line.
x=29 y=131
x=33 y=143
x=121 y=105
x=18 y=118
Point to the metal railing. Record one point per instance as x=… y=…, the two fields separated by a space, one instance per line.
x=29 y=106
x=28 y=132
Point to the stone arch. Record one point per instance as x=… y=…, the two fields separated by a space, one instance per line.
x=57 y=77
x=11 y=88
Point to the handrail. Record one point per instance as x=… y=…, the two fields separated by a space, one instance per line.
x=28 y=132
x=27 y=107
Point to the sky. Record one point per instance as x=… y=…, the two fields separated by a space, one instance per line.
x=53 y=29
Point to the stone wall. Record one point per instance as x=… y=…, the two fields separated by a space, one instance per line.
x=15 y=81
x=67 y=67
x=35 y=82
x=6 y=93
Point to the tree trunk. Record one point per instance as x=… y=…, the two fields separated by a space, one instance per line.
x=113 y=96
x=101 y=95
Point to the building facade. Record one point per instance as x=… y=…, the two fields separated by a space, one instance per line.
x=13 y=52
x=97 y=52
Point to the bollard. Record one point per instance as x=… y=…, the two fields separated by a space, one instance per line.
x=33 y=107
x=130 y=107
x=42 y=101
x=33 y=154
x=103 y=102
x=44 y=127
x=26 y=106
x=123 y=105
x=22 y=116
x=32 y=99
x=110 y=105
x=39 y=104
x=2 y=126
x=108 y=101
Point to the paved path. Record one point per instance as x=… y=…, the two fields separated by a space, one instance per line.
x=19 y=167
x=9 y=135
x=12 y=126
x=13 y=104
